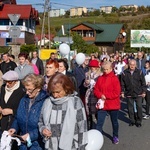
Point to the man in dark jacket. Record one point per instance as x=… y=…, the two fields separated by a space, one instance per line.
x=38 y=62
x=7 y=64
x=133 y=88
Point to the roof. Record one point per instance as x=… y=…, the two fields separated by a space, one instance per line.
x=110 y=32
x=104 y=32
x=93 y=26
x=38 y=36
x=26 y=11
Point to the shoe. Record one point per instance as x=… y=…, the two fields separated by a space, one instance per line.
x=146 y=117
x=138 y=125
x=115 y=140
x=131 y=124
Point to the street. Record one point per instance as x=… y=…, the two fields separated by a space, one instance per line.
x=130 y=138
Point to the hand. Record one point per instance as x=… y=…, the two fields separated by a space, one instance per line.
x=143 y=95
x=122 y=95
x=87 y=81
x=7 y=111
x=47 y=133
x=103 y=97
x=24 y=137
x=11 y=131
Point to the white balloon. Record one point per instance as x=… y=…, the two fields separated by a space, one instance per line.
x=64 y=49
x=80 y=58
x=95 y=140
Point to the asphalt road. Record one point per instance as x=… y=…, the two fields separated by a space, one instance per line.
x=130 y=138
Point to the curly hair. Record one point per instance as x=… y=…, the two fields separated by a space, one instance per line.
x=36 y=80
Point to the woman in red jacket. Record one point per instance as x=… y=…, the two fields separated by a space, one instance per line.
x=107 y=88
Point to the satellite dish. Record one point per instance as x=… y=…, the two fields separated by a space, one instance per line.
x=124 y=33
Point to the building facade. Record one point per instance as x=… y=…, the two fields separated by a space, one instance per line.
x=57 y=12
x=108 y=37
x=106 y=9
x=26 y=23
x=78 y=11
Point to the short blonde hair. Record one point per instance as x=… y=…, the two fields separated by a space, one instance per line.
x=107 y=63
x=36 y=80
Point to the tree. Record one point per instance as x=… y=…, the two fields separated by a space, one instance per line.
x=114 y=9
x=96 y=12
x=28 y=48
x=67 y=14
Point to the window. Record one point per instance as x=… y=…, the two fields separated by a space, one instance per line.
x=4 y=21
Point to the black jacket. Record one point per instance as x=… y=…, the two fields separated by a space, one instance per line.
x=39 y=64
x=73 y=79
x=12 y=103
x=133 y=84
x=4 y=67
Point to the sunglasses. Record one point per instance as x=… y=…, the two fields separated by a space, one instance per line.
x=9 y=82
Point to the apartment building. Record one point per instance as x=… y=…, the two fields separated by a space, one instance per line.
x=78 y=11
x=106 y=9
x=130 y=6
x=57 y=12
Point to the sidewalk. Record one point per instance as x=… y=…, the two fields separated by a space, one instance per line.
x=131 y=138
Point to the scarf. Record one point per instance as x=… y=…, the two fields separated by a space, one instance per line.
x=9 y=91
x=68 y=124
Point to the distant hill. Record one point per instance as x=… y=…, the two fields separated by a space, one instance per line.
x=130 y=21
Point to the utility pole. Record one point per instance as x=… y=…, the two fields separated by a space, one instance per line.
x=46 y=10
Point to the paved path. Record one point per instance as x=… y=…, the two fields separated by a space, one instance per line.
x=131 y=138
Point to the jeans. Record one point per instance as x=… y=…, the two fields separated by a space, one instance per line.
x=114 y=120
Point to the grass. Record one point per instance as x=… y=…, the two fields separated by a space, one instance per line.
x=57 y=22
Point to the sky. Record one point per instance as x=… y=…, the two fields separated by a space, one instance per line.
x=67 y=4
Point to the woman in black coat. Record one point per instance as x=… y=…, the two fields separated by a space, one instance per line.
x=11 y=93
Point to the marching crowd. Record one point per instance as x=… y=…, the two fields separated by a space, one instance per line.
x=53 y=107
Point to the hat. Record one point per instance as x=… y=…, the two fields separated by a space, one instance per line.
x=10 y=76
x=94 y=63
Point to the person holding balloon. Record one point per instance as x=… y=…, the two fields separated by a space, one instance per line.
x=79 y=72
x=107 y=89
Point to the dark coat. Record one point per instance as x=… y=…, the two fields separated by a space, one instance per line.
x=39 y=64
x=26 y=120
x=4 y=67
x=12 y=103
x=133 y=85
x=79 y=73
x=142 y=63
x=73 y=79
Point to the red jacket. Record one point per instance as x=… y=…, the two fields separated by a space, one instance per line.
x=108 y=85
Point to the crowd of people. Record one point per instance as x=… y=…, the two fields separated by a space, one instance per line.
x=43 y=105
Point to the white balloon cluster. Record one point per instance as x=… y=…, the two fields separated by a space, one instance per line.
x=95 y=140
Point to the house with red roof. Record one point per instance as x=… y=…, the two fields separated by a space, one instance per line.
x=27 y=23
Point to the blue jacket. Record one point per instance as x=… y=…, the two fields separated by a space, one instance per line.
x=26 y=120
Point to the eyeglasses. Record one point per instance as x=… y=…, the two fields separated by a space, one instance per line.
x=9 y=82
x=30 y=91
